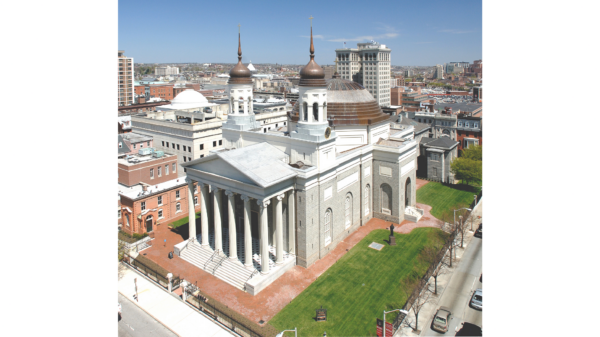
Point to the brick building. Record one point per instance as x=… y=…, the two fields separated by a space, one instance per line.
x=135 y=142
x=142 y=207
x=408 y=99
x=152 y=168
x=469 y=130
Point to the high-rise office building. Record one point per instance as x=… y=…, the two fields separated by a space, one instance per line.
x=125 y=79
x=439 y=72
x=165 y=71
x=368 y=65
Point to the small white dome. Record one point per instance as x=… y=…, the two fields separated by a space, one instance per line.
x=189 y=97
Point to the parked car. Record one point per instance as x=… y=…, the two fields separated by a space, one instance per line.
x=119 y=311
x=479 y=231
x=477 y=300
x=469 y=329
x=441 y=320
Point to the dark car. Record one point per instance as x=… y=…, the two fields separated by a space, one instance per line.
x=479 y=231
x=469 y=329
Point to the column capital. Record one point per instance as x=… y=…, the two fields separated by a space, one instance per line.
x=229 y=193
x=188 y=180
x=263 y=203
x=291 y=192
x=215 y=188
x=280 y=197
x=245 y=197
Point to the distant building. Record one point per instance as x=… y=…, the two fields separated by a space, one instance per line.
x=370 y=66
x=410 y=100
x=469 y=130
x=329 y=70
x=166 y=71
x=408 y=73
x=125 y=79
x=439 y=72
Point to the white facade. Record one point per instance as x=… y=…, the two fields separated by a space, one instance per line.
x=166 y=71
x=369 y=65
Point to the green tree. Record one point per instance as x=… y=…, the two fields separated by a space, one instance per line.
x=474 y=152
x=467 y=169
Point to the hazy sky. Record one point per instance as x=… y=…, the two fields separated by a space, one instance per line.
x=418 y=32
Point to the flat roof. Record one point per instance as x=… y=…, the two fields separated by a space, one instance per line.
x=136 y=191
x=137 y=159
x=135 y=137
x=469 y=107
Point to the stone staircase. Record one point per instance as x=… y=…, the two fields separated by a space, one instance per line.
x=230 y=271
x=413 y=214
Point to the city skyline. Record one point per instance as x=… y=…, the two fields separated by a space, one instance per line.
x=427 y=34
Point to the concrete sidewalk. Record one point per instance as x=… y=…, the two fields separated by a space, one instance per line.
x=167 y=309
x=429 y=309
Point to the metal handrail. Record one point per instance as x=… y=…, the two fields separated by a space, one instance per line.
x=223 y=258
x=211 y=258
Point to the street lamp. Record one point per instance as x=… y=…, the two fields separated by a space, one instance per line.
x=474 y=204
x=387 y=312
x=295 y=332
x=460 y=209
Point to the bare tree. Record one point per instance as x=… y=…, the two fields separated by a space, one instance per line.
x=434 y=256
x=421 y=296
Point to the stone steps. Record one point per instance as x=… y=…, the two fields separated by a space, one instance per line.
x=230 y=271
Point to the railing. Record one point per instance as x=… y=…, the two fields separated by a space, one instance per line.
x=152 y=274
x=223 y=258
x=211 y=258
x=251 y=276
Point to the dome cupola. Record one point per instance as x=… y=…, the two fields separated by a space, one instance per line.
x=312 y=75
x=240 y=74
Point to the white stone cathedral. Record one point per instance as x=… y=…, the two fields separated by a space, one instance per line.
x=273 y=200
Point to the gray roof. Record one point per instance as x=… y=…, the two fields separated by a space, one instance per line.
x=136 y=137
x=425 y=140
x=418 y=126
x=468 y=107
x=124 y=148
x=443 y=142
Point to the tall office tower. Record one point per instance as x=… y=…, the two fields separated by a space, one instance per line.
x=165 y=71
x=369 y=65
x=439 y=72
x=125 y=79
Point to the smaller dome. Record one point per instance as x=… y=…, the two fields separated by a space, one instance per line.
x=187 y=97
x=312 y=75
x=240 y=74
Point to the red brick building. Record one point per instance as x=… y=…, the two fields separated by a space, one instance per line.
x=469 y=130
x=147 y=169
x=152 y=205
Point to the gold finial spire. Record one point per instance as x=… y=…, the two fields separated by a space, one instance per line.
x=312 y=47
x=239 y=44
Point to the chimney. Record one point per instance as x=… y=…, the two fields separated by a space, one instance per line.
x=144 y=187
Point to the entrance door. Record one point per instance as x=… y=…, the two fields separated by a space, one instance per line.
x=149 y=223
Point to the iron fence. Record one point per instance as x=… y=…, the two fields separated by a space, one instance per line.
x=150 y=272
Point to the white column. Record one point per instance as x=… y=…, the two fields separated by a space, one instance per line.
x=237 y=105
x=191 y=209
x=245 y=106
x=204 y=195
x=292 y=222
x=321 y=114
x=264 y=235
x=232 y=229
x=247 y=233
x=279 y=227
x=217 y=217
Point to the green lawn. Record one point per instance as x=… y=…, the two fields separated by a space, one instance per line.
x=184 y=221
x=443 y=198
x=352 y=309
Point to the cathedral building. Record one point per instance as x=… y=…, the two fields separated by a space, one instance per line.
x=274 y=200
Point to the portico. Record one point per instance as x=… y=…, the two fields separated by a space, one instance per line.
x=232 y=187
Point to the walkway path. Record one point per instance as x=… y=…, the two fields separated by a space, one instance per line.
x=166 y=308
x=276 y=296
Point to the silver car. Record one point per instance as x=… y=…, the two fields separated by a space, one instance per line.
x=441 y=320
x=477 y=300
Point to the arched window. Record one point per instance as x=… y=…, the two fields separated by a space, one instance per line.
x=348 y=211
x=305 y=111
x=316 y=112
x=328 y=216
x=367 y=191
x=386 y=199
x=178 y=207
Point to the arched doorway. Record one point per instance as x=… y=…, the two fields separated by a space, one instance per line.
x=149 y=223
x=407 y=192
x=386 y=199
x=348 y=210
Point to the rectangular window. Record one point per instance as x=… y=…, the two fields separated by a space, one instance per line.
x=215 y=143
x=189 y=149
x=148 y=143
x=159 y=171
x=189 y=159
x=143 y=205
x=167 y=144
x=195 y=189
x=177 y=194
x=195 y=200
x=184 y=159
x=174 y=168
x=151 y=173
x=177 y=146
x=435 y=171
x=201 y=146
x=160 y=200
x=221 y=141
x=119 y=217
x=173 y=145
x=160 y=214
x=134 y=146
x=167 y=169
x=163 y=143
x=201 y=156
x=184 y=148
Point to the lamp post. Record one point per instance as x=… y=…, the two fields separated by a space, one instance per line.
x=387 y=312
x=475 y=204
x=295 y=332
x=460 y=209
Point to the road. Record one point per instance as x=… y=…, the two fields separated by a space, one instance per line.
x=135 y=322
x=457 y=294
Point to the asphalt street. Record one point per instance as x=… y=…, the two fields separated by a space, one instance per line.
x=457 y=294
x=135 y=322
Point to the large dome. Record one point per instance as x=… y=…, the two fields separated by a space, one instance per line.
x=348 y=103
x=188 y=97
